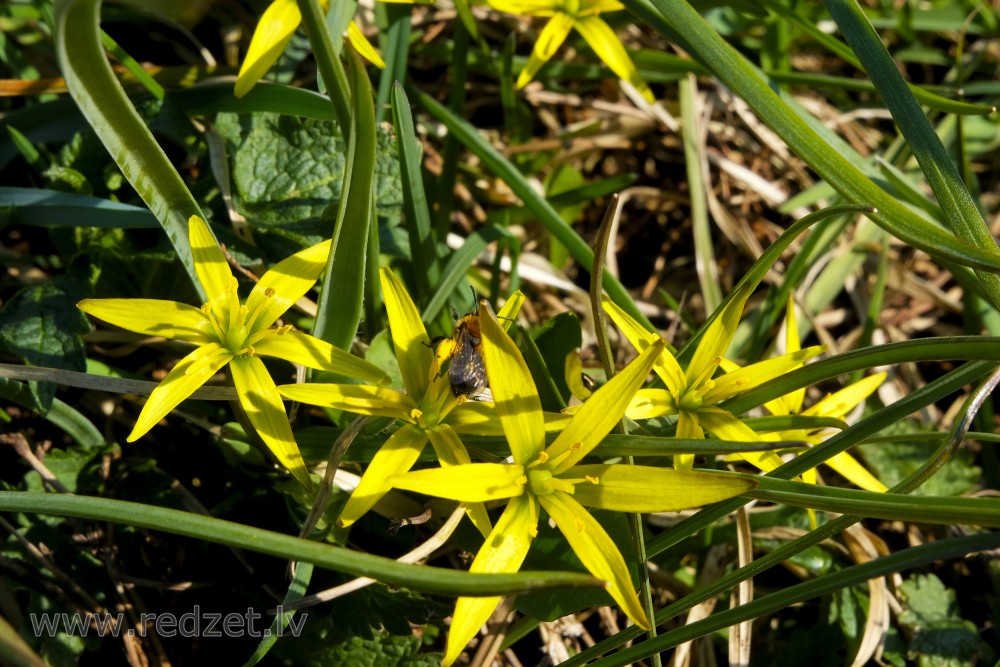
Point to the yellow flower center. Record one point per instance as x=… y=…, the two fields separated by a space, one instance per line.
x=571 y=7
x=690 y=401
x=236 y=328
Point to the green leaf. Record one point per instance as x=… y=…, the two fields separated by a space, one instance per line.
x=296 y=589
x=342 y=293
x=286 y=171
x=938 y=634
x=48 y=208
x=558 y=337
x=953 y=197
x=42 y=326
x=112 y=116
x=198 y=526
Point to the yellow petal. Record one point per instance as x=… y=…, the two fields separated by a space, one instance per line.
x=855 y=473
x=209 y=262
x=409 y=337
x=396 y=456
x=601 y=412
x=650 y=403
x=451 y=452
x=179 y=384
x=841 y=402
x=153 y=317
x=262 y=403
x=596 y=550
x=285 y=283
x=727 y=427
x=573 y=373
x=275 y=29
x=720 y=332
x=594 y=7
x=746 y=378
x=609 y=48
x=792 y=344
x=470 y=483
x=360 y=399
x=508 y=312
x=503 y=552
x=627 y=488
x=515 y=398
x=666 y=365
x=528 y=7
x=300 y=348
x=549 y=40
x=688 y=428
x=363 y=46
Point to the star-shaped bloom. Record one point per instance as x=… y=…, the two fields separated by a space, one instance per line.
x=276 y=27
x=552 y=478
x=693 y=394
x=430 y=410
x=584 y=16
x=228 y=332
x=835 y=405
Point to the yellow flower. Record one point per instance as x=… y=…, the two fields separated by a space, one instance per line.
x=693 y=394
x=551 y=478
x=228 y=332
x=835 y=405
x=276 y=27
x=429 y=408
x=584 y=16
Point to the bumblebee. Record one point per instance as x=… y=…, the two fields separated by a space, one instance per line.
x=467 y=372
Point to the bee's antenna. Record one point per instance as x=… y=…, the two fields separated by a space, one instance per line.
x=475 y=300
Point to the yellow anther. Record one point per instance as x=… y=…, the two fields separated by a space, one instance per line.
x=576 y=446
x=580 y=525
x=592 y=479
x=250 y=351
x=269 y=292
x=206 y=308
x=522 y=480
x=416 y=414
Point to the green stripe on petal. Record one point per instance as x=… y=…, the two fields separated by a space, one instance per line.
x=596 y=550
x=470 y=483
x=286 y=282
x=601 y=412
x=409 y=337
x=503 y=551
x=262 y=403
x=203 y=363
x=396 y=456
x=153 y=317
x=549 y=40
x=605 y=43
x=666 y=365
x=360 y=399
x=515 y=398
x=628 y=488
x=725 y=426
x=209 y=262
x=746 y=378
x=300 y=348
x=275 y=29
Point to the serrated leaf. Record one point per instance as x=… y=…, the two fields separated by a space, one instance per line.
x=42 y=326
x=286 y=171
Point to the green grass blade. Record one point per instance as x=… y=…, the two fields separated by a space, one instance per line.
x=49 y=208
x=959 y=209
x=218 y=531
x=112 y=116
x=550 y=219
x=330 y=68
x=736 y=72
x=342 y=295
x=857 y=574
x=423 y=248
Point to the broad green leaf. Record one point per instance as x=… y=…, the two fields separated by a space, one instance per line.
x=48 y=208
